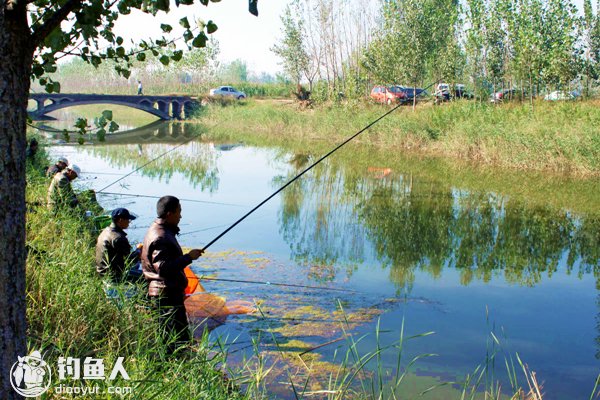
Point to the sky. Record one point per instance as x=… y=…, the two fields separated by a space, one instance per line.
x=241 y=35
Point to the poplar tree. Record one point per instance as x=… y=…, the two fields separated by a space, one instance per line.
x=291 y=47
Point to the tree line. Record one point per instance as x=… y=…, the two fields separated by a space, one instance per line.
x=195 y=72
x=533 y=45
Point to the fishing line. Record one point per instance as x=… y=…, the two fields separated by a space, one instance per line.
x=149 y=162
x=202 y=230
x=201 y=277
x=158 y=197
x=215 y=227
x=305 y=171
x=101 y=173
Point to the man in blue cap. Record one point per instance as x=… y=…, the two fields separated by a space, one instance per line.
x=113 y=252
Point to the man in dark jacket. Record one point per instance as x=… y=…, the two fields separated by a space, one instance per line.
x=163 y=263
x=113 y=252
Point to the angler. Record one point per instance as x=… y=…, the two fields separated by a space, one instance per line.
x=163 y=264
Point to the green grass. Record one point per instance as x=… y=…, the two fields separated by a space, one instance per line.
x=554 y=137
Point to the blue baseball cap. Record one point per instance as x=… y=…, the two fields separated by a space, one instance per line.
x=122 y=213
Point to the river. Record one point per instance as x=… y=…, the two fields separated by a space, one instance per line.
x=486 y=264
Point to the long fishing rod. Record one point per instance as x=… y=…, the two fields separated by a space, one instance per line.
x=158 y=197
x=305 y=171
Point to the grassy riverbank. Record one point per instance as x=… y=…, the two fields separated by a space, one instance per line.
x=554 y=137
x=70 y=315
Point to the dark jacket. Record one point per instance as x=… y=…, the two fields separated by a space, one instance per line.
x=113 y=252
x=163 y=261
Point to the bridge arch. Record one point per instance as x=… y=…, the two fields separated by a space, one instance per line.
x=167 y=107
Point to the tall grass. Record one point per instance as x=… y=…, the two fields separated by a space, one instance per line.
x=558 y=137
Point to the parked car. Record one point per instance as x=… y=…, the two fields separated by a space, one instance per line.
x=227 y=91
x=444 y=92
x=410 y=92
x=505 y=94
x=560 y=95
x=388 y=95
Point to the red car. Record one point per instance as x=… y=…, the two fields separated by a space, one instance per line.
x=388 y=95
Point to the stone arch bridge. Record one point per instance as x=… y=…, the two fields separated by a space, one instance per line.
x=164 y=107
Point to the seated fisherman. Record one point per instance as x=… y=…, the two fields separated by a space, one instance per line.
x=113 y=252
x=60 y=165
x=60 y=192
x=32 y=149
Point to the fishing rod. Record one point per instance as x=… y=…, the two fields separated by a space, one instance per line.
x=158 y=197
x=202 y=277
x=305 y=171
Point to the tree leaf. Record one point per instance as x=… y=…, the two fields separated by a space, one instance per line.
x=166 y=28
x=253 y=7
x=81 y=123
x=95 y=60
x=200 y=40
x=164 y=60
x=141 y=57
x=184 y=22
x=108 y=114
x=37 y=70
x=113 y=127
x=101 y=135
x=188 y=35
x=211 y=27
x=177 y=55
x=162 y=5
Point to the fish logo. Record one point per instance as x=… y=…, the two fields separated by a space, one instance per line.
x=30 y=376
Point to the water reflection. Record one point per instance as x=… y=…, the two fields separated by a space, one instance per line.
x=196 y=161
x=157 y=132
x=421 y=225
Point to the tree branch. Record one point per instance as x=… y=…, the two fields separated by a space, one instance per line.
x=53 y=22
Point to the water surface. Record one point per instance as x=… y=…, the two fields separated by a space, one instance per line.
x=447 y=249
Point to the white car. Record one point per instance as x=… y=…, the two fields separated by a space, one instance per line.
x=228 y=91
x=559 y=95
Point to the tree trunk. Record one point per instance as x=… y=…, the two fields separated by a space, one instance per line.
x=15 y=70
x=414 y=106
